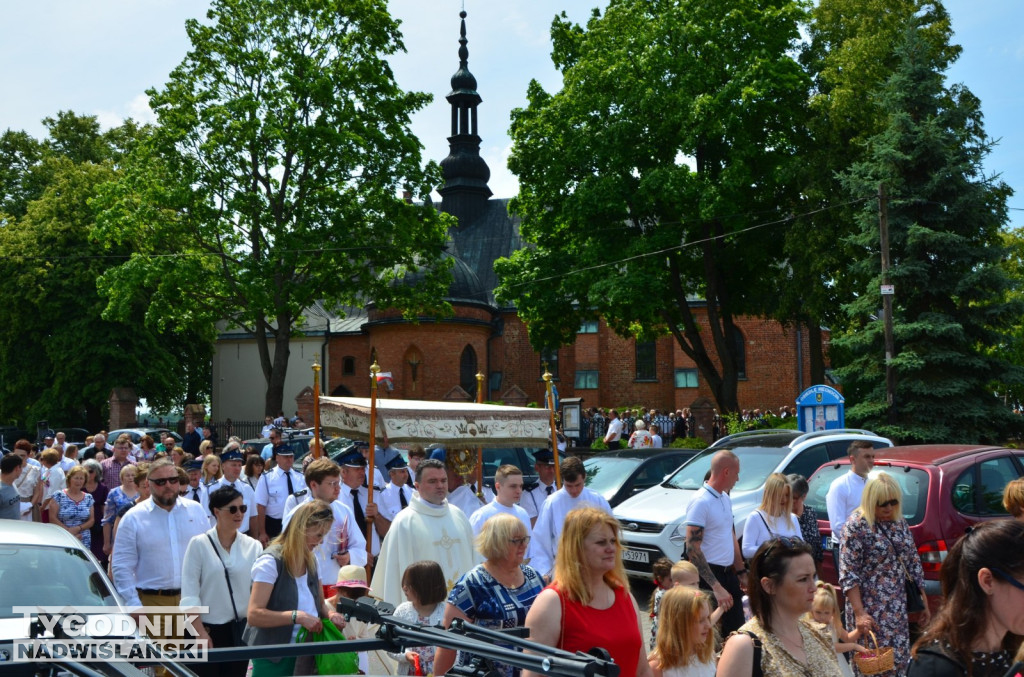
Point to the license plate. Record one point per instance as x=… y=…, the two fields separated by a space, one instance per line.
x=641 y=556
x=826 y=542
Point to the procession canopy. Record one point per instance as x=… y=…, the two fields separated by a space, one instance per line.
x=423 y=422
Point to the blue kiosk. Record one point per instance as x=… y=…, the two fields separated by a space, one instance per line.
x=820 y=408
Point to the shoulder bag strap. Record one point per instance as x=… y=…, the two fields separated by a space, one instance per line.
x=227 y=577
x=770 y=532
x=892 y=547
x=756 y=668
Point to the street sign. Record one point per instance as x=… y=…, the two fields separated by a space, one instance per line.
x=888 y=289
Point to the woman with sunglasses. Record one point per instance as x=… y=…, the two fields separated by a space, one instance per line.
x=981 y=625
x=877 y=555
x=496 y=594
x=217 y=574
x=286 y=588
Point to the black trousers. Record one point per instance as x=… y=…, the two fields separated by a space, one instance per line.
x=222 y=637
x=733 y=618
x=273 y=526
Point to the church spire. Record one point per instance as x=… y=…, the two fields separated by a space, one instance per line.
x=465 y=191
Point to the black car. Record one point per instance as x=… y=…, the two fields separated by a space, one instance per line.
x=617 y=475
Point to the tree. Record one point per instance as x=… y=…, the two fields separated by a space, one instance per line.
x=850 y=54
x=60 y=359
x=951 y=304
x=273 y=176
x=641 y=180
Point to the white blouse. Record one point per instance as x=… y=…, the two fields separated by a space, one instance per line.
x=760 y=528
x=202 y=576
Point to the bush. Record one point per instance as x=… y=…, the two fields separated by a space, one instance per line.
x=598 y=445
x=688 y=443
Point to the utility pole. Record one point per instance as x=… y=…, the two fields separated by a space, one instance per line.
x=887 y=294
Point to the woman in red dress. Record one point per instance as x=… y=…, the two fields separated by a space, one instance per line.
x=588 y=603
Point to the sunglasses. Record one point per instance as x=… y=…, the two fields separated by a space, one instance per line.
x=519 y=541
x=164 y=480
x=1007 y=577
x=891 y=503
x=235 y=508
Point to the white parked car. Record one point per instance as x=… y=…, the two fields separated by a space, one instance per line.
x=654 y=521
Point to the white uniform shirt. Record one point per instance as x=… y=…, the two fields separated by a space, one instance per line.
x=343 y=536
x=248 y=498
x=466 y=499
x=614 y=432
x=712 y=510
x=150 y=546
x=272 y=490
x=842 y=499
x=390 y=503
x=534 y=499
x=493 y=508
x=548 y=529
x=346 y=498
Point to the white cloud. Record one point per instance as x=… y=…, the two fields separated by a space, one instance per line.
x=137 y=109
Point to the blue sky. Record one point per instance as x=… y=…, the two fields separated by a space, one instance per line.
x=99 y=57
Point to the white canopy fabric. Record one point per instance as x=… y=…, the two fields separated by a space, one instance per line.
x=449 y=423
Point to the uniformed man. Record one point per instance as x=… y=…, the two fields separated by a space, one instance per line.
x=231 y=466
x=397 y=493
x=274 y=487
x=354 y=495
x=533 y=498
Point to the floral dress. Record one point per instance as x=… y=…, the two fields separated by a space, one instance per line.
x=809 y=527
x=407 y=612
x=871 y=560
x=116 y=500
x=75 y=513
x=491 y=605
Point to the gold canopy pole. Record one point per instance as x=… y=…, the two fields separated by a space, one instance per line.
x=374 y=370
x=550 y=396
x=480 y=450
x=317 y=453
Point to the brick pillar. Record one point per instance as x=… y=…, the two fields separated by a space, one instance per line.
x=703 y=419
x=123 y=402
x=304 y=404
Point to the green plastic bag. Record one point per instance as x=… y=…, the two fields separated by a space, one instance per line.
x=330 y=663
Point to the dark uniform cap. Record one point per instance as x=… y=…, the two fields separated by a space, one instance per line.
x=353 y=459
x=544 y=456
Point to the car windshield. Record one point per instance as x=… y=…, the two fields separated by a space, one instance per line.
x=45 y=575
x=606 y=475
x=756 y=463
x=912 y=481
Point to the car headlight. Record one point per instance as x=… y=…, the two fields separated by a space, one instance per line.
x=678 y=535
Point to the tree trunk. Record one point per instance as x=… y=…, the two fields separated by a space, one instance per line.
x=816 y=352
x=274 y=401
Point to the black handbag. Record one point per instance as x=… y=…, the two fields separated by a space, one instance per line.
x=238 y=624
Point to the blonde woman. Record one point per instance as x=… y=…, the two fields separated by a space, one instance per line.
x=774 y=518
x=205 y=448
x=685 y=646
x=1013 y=499
x=211 y=470
x=588 y=603
x=286 y=588
x=876 y=555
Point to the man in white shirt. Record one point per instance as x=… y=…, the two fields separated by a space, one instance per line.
x=355 y=497
x=151 y=540
x=343 y=544
x=397 y=493
x=70 y=459
x=711 y=543
x=273 y=489
x=548 y=529
x=656 y=441
x=534 y=498
x=844 y=493
x=613 y=436
x=508 y=485
x=231 y=466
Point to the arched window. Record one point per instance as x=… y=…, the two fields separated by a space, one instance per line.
x=467 y=371
x=740 y=354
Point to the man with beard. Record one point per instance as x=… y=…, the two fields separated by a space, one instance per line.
x=151 y=542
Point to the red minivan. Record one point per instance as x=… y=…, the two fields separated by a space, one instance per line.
x=946 y=489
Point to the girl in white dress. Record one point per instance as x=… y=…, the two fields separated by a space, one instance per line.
x=825 y=612
x=686 y=639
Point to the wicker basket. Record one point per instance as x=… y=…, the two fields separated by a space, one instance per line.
x=882 y=659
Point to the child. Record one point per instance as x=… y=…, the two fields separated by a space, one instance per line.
x=352 y=584
x=662 y=572
x=424 y=587
x=686 y=638
x=685 y=575
x=825 y=612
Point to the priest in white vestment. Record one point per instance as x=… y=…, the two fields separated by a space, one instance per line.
x=429 y=529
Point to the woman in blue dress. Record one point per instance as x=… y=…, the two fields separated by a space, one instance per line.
x=72 y=508
x=496 y=594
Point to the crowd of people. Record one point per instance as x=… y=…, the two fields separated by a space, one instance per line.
x=269 y=549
